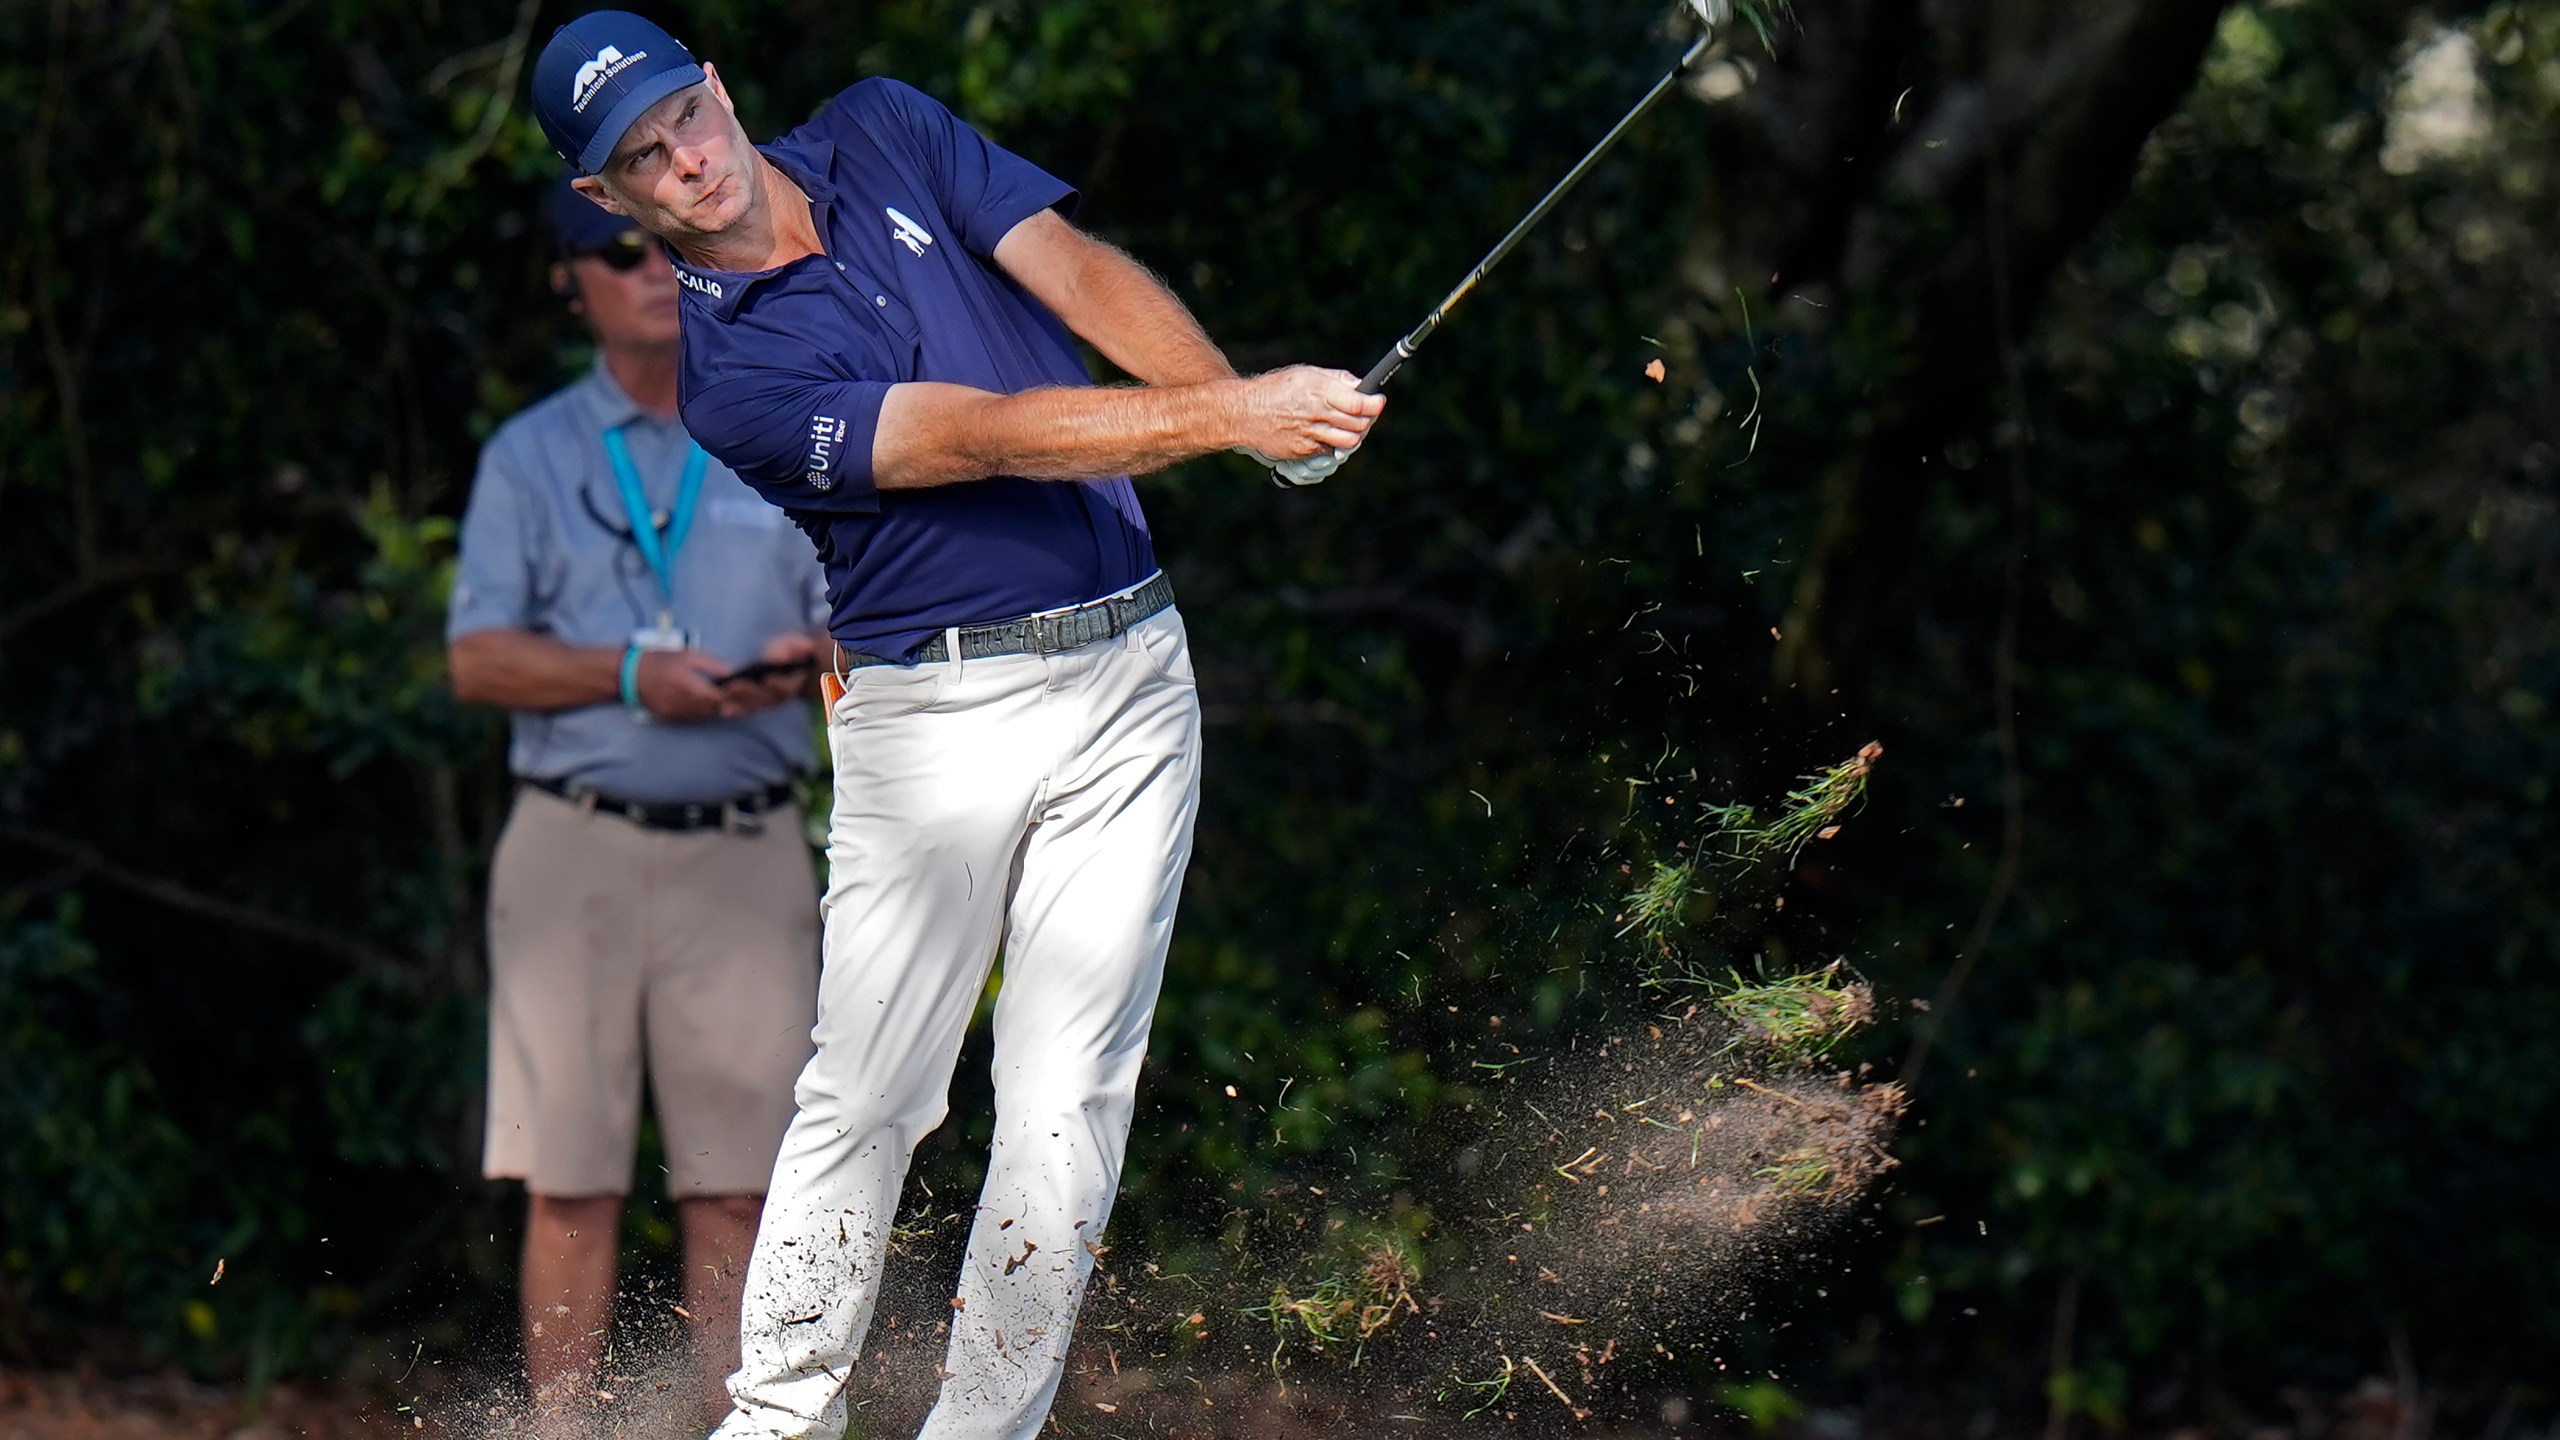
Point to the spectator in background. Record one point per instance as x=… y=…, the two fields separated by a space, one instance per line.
x=652 y=905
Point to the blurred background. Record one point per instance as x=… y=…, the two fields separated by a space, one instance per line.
x=2139 y=416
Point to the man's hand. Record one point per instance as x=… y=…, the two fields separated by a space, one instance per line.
x=750 y=696
x=1304 y=412
x=941 y=434
x=683 y=685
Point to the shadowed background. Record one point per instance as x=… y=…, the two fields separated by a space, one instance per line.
x=2140 y=416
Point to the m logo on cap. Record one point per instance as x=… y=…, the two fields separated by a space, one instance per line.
x=609 y=62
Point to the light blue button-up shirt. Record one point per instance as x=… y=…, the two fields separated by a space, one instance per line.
x=546 y=547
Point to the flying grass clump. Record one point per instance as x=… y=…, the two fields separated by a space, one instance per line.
x=1812 y=811
x=1657 y=904
x=1351 y=1304
x=1800 y=1018
x=1740 y=845
x=1805 y=1172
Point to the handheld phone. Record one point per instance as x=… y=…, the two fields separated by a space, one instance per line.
x=766 y=669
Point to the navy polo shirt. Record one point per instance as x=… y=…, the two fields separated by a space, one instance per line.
x=784 y=371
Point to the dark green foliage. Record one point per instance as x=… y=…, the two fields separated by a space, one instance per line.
x=95 y=1160
x=2265 y=1027
x=2250 y=1062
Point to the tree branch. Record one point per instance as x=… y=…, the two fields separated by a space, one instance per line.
x=106 y=577
x=366 y=957
x=2070 y=153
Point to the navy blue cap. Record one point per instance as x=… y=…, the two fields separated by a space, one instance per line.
x=582 y=225
x=600 y=73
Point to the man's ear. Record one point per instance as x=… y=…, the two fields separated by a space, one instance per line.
x=596 y=190
x=565 y=285
x=720 y=92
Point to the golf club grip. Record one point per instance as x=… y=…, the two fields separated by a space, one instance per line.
x=1382 y=372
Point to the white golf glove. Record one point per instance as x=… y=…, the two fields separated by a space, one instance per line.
x=1294 y=474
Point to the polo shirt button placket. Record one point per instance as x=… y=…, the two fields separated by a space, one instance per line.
x=882 y=301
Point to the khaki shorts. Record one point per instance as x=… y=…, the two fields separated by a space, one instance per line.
x=608 y=942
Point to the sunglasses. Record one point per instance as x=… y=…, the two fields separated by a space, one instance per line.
x=624 y=252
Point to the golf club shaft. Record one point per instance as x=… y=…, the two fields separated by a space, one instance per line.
x=1380 y=373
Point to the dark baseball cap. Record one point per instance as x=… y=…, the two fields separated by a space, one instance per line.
x=583 y=226
x=600 y=73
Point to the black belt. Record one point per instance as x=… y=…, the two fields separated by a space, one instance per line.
x=743 y=813
x=1047 y=633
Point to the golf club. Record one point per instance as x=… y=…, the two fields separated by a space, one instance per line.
x=1711 y=14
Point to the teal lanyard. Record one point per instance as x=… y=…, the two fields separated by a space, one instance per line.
x=661 y=554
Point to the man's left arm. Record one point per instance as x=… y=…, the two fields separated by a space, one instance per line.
x=1115 y=303
x=1129 y=315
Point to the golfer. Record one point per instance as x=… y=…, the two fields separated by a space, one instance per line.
x=879 y=315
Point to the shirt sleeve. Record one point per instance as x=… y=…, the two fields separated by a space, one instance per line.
x=801 y=441
x=493 y=575
x=982 y=188
x=771 y=408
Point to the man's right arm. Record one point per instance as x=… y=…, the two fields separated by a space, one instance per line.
x=936 y=434
x=522 y=670
x=824 y=443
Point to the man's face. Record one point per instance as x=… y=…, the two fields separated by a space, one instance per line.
x=685 y=169
x=628 y=291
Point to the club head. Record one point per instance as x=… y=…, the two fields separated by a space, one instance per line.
x=1713 y=13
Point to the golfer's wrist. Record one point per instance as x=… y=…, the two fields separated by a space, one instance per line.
x=1230 y=404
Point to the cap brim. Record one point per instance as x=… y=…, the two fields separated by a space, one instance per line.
x=628 y=110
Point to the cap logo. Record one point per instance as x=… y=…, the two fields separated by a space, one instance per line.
x=609 y=62
x=905 y=231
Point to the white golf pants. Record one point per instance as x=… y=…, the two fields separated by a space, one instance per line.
x=1037 y=805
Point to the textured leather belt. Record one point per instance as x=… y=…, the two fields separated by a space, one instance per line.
x=743 y=813
x=1047 y=633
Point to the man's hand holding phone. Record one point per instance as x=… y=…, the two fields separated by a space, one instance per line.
x=768 y=669
x=780 y=673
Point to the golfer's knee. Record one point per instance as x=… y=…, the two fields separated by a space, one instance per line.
x=839 y=1128
x=579 y=1215
x=724 y=1209
x=1079 y=1090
